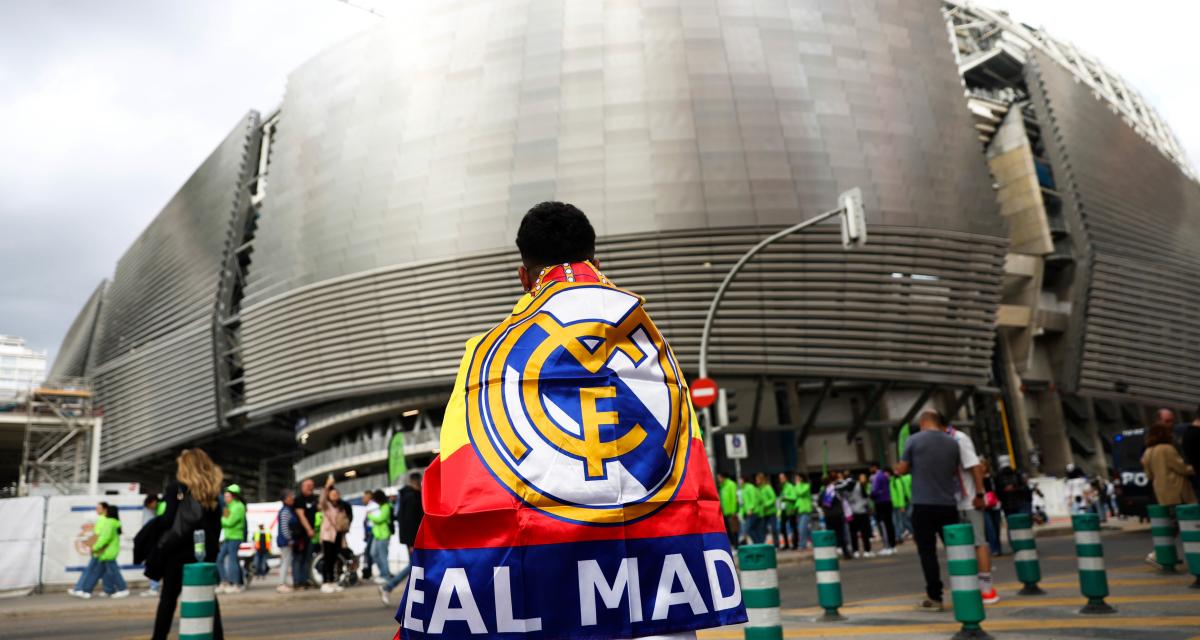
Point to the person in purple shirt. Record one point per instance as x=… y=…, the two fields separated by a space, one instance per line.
x=881 y=495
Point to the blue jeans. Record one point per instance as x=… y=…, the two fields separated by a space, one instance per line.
x=302 y=563
x=113 y=580
x=395 y=580
x=227 y=562
x=379 y=555
x=90 y=576
x=260 y=562
x=805 y=532
x=752 y=533
x=769 y=524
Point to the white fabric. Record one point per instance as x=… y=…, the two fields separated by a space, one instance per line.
x=69 y=534
x=967 y=459
x=20 y=543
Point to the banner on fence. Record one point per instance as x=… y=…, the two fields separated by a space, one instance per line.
x=69 y=536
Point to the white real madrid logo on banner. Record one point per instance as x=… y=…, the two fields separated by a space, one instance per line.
x=576 y=406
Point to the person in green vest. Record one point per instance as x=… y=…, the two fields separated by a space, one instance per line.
x=787 y=504
x=901 y=488
x=768 y=510
x=233 y=528
x=262 y=550
x=749 y=509
x=804 y=510
x=728 y=492
x=381 y=534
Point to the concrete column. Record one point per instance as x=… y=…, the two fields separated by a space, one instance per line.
x=1052 y=434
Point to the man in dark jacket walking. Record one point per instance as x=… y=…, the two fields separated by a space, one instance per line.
x=409 y=512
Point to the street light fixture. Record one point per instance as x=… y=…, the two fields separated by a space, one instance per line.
x=854 y=235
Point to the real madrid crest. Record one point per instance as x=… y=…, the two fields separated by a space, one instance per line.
x=575 y=404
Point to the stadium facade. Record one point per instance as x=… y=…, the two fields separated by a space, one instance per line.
x=308 y=291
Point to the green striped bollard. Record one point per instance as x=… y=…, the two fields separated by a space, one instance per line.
x=829 y=577
x=1093 y=580
x=198 y=601
x=964 y=580
x=1189 y=530
x=760 y=591
x=1162 y=529
x=1029 y=570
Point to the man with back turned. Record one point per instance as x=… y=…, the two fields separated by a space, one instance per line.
x=932 y=456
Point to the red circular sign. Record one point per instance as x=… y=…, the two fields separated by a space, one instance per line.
x=704 y=392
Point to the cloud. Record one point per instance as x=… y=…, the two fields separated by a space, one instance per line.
x=106 y=109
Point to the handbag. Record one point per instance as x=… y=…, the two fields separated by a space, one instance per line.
x=187 y=518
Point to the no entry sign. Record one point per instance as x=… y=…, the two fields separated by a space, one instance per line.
x=704 y=392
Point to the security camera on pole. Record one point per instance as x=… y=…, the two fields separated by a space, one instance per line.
x=854 y=235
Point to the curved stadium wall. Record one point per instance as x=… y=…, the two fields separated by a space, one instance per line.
x=405 y=157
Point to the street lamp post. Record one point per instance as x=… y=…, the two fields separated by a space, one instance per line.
x=854 y=234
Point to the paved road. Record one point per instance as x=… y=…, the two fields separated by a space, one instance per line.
x=879 y=594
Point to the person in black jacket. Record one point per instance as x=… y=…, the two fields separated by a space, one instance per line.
x=410 y=513
x=198 y=479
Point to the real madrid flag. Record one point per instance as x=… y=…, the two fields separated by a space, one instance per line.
x=571 y=497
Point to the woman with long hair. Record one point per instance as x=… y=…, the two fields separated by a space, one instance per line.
x=1165 y=469
x=334 y=524
x=191 y=506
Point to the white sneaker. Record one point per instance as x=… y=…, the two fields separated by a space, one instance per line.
x=219 y=589
x=328 y=588
x=83 y=595
x=858 y=554
x=283 y=588
x=337 y=588
x=379 y=580
x=383 y=597
x=234 y=589
x=149 y=593
x=123 y=593
x=869 y=554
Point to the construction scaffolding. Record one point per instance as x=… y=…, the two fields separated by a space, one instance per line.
x=61 y=449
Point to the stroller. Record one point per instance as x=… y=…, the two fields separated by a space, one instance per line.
x=346 y=569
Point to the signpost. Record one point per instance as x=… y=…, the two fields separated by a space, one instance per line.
x=737 y=448
x=704 y=392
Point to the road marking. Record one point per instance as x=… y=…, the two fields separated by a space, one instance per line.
x=990 y=625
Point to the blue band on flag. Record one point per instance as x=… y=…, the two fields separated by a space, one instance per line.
x=579 y=590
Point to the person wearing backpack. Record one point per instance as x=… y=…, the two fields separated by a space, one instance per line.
x=286 y=539
x=191 y=506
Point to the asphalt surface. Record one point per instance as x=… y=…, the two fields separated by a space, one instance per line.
x=879 y=593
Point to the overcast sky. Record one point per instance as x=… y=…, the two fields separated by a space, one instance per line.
x=107 y=107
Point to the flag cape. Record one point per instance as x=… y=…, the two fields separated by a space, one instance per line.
x=571 y=497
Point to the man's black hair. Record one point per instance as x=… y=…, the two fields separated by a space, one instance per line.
x=150 y=499
x=554 y=233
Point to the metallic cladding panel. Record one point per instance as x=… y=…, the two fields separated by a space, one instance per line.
x=75 y=354
x=169 y=276
x=154 y=372
x=405 y=158
x=158 y=396
x=1138 y=222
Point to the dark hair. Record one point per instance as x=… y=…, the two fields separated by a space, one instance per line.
x=111 y=511
x=285 y=494
x=150 y=499
x=379 y=496
x=414 y=476
x=554 y=233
